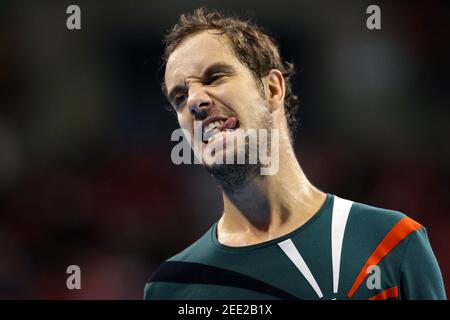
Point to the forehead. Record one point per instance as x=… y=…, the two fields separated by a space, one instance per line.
x=195 y=54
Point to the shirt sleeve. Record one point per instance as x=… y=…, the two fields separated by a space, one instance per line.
x=420 y=276
x=148 y=289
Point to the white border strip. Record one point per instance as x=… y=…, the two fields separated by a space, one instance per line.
x=341 y=210
x=291 y=251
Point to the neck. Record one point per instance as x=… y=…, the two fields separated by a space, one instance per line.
x=269 y=206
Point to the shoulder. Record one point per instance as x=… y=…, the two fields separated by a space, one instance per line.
x=198 y=251
x=168 y=279
x=376 y=231
x=366 y=218
x=183 y=263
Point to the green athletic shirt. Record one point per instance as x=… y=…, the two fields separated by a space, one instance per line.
x=347 y=250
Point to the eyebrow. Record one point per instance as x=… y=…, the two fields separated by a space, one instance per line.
x=218 y=67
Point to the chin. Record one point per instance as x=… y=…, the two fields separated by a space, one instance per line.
x=234 y=177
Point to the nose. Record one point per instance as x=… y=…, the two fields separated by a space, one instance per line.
x=198 y=103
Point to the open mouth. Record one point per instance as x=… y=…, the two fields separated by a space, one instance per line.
x=217 y=124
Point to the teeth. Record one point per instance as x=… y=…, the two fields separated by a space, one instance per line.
x=213 y=136
x=210 y=129
x=213 y=125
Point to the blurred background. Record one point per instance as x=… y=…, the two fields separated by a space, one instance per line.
x=85 y=170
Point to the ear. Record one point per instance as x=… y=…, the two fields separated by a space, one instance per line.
x=275 y=89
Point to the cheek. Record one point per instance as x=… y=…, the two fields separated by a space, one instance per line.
x=236 y=96
x=185 y=121
x=244 y=100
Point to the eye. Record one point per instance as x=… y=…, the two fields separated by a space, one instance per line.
x=179 y=99
x=214 y=78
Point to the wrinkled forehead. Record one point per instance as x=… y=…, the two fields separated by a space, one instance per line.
x=195 y=54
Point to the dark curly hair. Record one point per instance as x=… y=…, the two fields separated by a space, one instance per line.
x=254 y=48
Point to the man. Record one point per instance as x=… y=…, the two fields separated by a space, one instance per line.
x=279 y=237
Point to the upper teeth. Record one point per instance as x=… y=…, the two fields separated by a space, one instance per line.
x=211 y=130
x=213 y=125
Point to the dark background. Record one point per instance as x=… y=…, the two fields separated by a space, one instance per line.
x=85 y=170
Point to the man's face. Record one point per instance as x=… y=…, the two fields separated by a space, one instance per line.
x=206 y=82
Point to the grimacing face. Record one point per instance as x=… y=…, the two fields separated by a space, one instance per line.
x=203 y=71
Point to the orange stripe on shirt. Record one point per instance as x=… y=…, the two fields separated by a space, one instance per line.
x=386 y=294
x=398 y=232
